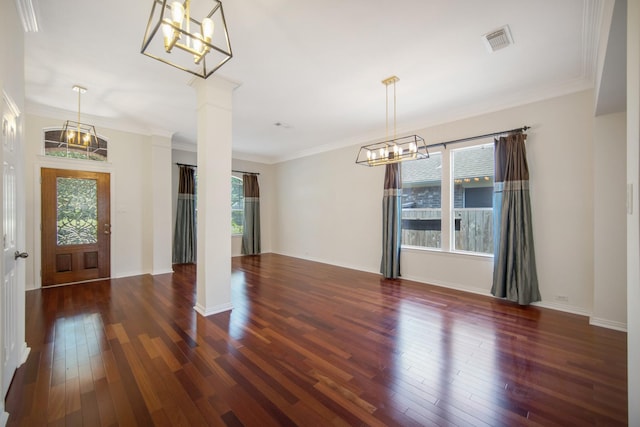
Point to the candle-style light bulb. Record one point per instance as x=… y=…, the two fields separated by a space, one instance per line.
x=207 y=29
x=167 y=31
x=177 y=13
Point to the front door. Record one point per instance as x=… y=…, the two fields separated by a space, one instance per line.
x=12 y=286
x=76 y=229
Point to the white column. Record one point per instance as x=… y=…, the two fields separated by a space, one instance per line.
x=214 y=107
x=161 y=204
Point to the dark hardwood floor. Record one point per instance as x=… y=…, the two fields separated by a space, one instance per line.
x=312 y=345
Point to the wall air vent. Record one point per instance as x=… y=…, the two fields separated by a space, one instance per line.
x=498 y=39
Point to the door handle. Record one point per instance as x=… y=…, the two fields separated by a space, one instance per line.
x=19 y=254
x=107 y=229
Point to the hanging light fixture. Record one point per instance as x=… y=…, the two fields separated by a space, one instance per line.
x=190 y=35
x=76 y=134
x=394 y=149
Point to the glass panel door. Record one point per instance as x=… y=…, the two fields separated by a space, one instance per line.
x=77 y=215
x=76 y=230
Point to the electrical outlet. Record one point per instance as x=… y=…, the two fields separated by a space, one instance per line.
x=561 y=298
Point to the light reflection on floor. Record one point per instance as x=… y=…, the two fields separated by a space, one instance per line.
x=446 y=359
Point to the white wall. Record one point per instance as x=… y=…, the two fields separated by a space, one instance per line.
x=610 y=226
x=162 y=230
x=131 y=197
x=267 y=195
x=329 y=209
x=633 y=218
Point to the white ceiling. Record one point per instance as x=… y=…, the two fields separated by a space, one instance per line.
x=314 y=66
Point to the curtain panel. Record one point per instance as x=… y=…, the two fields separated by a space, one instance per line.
x=391 y=222
x=184 y=237
x=514 y=263
x=251 y=226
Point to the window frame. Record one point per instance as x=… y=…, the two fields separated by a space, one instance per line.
x=452 y=208
x=48 y=150
x=237 y=210
x=447 y=201
x=440 y=153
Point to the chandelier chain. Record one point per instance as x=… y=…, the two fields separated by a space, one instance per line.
x=392 y=150
x=79 y=95
x=394 y=109
x=387 y=113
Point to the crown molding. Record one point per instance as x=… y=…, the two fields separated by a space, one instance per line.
x=512 y=100
x=592 y=19
x=11 y=104
x=183 y=146
x=28 y=15
x=255 y=158
x=118 y=124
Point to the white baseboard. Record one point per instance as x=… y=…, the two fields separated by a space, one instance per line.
x=618 y=326
x=163 y=271
x=448 y=285
x=609 y=324
x=563 y=307
x=122 y=275
x=25 y=353
x=4 y=418
x=324 y=261
x=208 y=311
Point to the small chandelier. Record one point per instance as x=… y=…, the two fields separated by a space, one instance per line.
x=188 y=43
x=392 y=150
x=76 y=134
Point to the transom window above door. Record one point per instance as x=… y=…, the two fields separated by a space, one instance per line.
x=56 y=145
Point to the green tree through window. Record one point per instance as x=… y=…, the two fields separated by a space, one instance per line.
x=237 y=205
x=77 y=211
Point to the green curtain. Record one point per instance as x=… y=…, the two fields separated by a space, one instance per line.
x=514 y=262
x=251 y=226
x=391 y=222
x=184 y=237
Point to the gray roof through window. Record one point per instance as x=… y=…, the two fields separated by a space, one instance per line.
x=469 y=163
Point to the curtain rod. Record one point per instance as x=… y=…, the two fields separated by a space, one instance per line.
x=471 y=138
x=248 y=173
x=232 y=170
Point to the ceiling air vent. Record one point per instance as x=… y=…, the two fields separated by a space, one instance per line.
x=498 y=39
